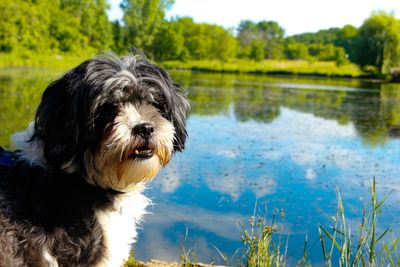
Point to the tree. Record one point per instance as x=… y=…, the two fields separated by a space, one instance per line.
x=267 y=35
x=143 y=19
x=43 y=26
x=223 y=43
x=272 y=34
x=169 y=42
x=379 y=42
x=328 y=36
x=347 y=38
x=183 y=39
x=94 y=24
x=295 y=50
x=118 y=44
x=94 y=28
x=24 y=25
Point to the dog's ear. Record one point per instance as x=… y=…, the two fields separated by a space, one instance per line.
x=59 y=123
x=175 y=106
x=180 y=111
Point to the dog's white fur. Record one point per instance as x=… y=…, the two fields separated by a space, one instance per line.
x=32 y=152
x=119 y=225
x=116 y=170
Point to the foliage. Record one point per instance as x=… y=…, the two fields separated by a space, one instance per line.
x=369 y=249
x=63 y=26
x=297 y=67
x=260 y=40
x=143 y=19
x=379 y=42
x=376 y=43
x=183 y=39
x=118 y=34
x=81 y=27
x=131 y=261
x=260 y=247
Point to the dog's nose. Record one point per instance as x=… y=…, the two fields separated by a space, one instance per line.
x=145 y=130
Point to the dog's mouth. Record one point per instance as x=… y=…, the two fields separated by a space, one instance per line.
x=143 y=152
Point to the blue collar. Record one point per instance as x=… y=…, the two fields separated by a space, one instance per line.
x=7 y=159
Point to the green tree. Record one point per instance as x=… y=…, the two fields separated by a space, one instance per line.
x=169 y=42
x=143 y=19
x=295 y=50
x=328 y=36
x=24 y=24
x=94 y=24
x=223 y=43
x=322 y=42
x=87 y=21
x=200 y=41
x=43 y=26
x=266 y=34
x=272 y=34
x=118 y=44
x=257 y=50
x=379 y=42
x=347 y=38
x=247 y=34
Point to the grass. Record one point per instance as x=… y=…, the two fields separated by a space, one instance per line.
x=44 y=60
x=364 y=248
x=296 y=67
x=131 y=261
x=188 y=257
x=293 y=67
x=259 y=246
x=340 y=244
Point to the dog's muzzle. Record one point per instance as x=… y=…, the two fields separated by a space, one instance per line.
x=145 y=150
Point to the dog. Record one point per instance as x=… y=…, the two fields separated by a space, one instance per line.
x=71 y=194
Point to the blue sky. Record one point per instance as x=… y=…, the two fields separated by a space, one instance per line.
x=295 y=16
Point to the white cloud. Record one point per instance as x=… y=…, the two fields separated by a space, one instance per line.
x=221 y=224
x=310 y=174
x=236 y=184
x=170 y=179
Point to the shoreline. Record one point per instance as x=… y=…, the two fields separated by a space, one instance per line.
x=294 y=68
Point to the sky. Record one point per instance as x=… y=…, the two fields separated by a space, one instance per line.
x=295 y=16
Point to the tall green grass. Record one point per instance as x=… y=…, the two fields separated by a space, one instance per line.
x=259 y=246
x=296 y=67
x=365 y=247
x=42 y=60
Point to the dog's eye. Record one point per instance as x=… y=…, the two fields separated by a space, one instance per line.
x=160 y=107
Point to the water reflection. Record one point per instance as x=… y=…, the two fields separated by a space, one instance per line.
x=373 y=108
x=20 y=92
x=278 y=141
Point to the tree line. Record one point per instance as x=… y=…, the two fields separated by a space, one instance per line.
x=82 y=27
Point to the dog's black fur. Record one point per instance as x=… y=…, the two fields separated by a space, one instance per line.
x=51 y=208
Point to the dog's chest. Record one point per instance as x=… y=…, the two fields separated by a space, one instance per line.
x=119 y=226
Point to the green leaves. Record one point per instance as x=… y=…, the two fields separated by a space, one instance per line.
x=46 y=26
x=379 y=42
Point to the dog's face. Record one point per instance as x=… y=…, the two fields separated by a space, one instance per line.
x=115 y=120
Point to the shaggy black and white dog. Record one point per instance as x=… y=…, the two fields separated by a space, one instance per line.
x=71 y=194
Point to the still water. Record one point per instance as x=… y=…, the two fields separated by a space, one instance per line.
x=276 y=142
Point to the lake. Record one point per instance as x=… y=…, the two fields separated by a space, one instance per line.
x=278 y=143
